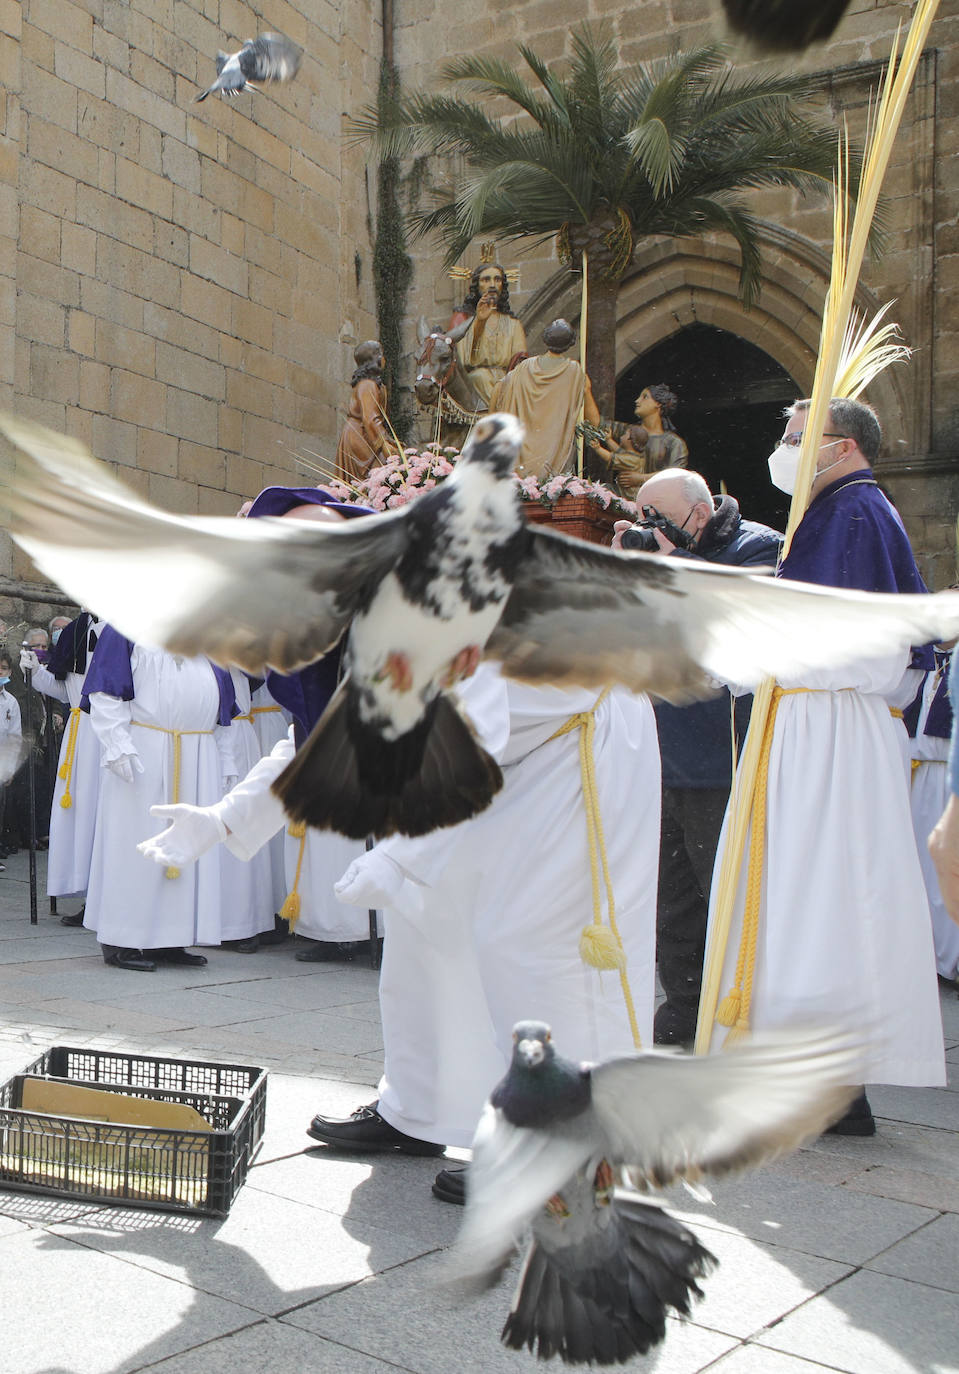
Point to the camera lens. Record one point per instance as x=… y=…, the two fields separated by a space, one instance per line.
x=641 y=538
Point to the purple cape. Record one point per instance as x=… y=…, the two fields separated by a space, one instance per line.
x=110 y=672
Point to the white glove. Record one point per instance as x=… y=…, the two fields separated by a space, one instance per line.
x=29 y=663
x=125 y=766
x=373 y=880
x=192 y=830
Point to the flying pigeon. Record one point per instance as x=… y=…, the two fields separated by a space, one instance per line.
x=784 y=25
x=571 y=1149
x=271 y=57
x=425 y=591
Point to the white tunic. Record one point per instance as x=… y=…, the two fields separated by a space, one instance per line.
x=71 y=827
x=130 y=900
x=485 y=931
x=930 y=792
x=844 y=928
x=271 y=724
x=246 y=890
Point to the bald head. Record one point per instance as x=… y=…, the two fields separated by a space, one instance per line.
x=683 y=497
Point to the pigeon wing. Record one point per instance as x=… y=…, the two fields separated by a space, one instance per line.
x=271 y=57
x=514 y=1171
x=579 y=613
x=667 y=1116
x=257 y=593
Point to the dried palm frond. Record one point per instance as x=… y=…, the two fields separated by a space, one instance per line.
x=869 y=347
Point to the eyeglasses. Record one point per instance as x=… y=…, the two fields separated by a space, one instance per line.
x=794 y=440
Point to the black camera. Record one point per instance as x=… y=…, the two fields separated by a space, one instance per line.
x=641 y=536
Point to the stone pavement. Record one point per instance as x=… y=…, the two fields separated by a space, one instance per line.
x=843 y=1257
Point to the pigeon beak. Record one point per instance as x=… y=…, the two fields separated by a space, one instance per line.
x=531 y=1051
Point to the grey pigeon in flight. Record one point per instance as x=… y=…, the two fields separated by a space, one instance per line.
x=424 y=591
x=271 y=57
x=570 y=1150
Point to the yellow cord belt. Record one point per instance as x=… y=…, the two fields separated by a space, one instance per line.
x=172 y=871
x=248 y=718
x=290 y=910
x=262 y=710
x=69 y=754
x=600 y=946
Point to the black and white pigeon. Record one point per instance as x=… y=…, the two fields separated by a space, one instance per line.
x=271 y=57
x=425 y=590
x=569 y=1150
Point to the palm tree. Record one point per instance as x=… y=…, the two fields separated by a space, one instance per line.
x=603 y=157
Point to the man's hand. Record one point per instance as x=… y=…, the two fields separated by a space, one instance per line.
x=485 y=307
x=619 y=529
x=126 y=766
x=29 y=663
x=944 y=849
x=192 y=830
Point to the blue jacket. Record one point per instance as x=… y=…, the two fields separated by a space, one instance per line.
x=695 y=740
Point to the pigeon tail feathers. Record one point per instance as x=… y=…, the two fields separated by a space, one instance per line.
x=349 y=779
x=604 y=1315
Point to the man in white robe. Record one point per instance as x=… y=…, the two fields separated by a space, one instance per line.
x=163 y=724
x=843 y=927
x=76 y=793
x=484 y=919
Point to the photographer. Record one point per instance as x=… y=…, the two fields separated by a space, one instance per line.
x=682 y=518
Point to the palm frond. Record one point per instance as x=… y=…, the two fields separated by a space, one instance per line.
x=868 y=348
x=491 y=76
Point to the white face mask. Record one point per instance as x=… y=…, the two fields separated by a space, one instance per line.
x=784 y=465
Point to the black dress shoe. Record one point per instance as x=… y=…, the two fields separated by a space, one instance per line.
x=133 y=959
x=449 y=1185
x=173 y=954
x=75 y=920
x=365 y=1130
x=248 y=946
x=331 y=951
x=858 y=1119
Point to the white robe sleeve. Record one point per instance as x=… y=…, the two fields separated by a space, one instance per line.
x=251 y=812
x=110 y=719
x=42 y=680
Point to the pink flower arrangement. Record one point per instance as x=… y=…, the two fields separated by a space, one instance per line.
x=397 y=481
x=568 y=484
x=404 y=475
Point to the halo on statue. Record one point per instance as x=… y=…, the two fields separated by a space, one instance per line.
x=487 y=254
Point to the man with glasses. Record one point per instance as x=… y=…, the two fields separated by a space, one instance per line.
x=841 y=927
x=696 y=747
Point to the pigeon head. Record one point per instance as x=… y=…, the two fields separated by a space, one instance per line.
x=495 y=444
x=532 y=1044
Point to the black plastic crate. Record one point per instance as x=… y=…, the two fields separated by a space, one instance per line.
x=174 y=1170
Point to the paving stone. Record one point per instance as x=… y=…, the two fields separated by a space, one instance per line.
x=753 y=1359
x=365 y=1190
x=909 y=1185
x=872 y=1322
x=928 y=1106
x=61 y=1310
x=835 y=1223
x=927 y=1256
x=407 y=1317
x=270 y=1254
x=754 y=1284
x=274 y=1348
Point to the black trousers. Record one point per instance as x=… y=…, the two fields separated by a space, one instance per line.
x=692 y=820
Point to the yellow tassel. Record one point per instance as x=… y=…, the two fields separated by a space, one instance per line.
x=738 y=1034
x=296 y=830
x=728 y=1013
x=63 y=772
x=66 y=801
x=599 y=948
x=172 y=872
x=290 y=910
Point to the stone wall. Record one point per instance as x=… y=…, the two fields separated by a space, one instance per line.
x=180 y=280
